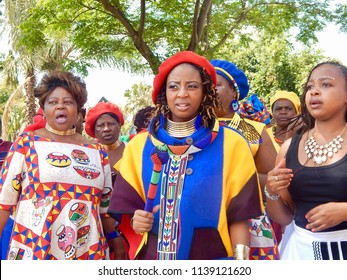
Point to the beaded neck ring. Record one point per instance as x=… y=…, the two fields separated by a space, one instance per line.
x=278 y=141
x=180 y=129
x=320 y=154
x=113 y=146
x=68 y=132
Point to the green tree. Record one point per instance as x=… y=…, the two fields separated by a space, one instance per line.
x=272 y=63
x=138 y=34
x=137 y=97
x=51 y=51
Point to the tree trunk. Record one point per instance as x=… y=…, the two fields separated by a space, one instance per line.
x=29 y=86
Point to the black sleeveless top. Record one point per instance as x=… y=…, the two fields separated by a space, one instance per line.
x=312 y=186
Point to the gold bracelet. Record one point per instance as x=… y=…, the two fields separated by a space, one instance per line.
x=241 y=252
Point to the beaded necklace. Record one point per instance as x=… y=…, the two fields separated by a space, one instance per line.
x=247 y=130
x=68 y=132
x=278 y=141
x=320 y=154
x=113 y=146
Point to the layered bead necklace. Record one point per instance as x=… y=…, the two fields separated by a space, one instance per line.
x=320 y=154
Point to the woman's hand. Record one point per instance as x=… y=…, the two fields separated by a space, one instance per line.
x=279 y=178
x=326 y=216
x=142 y=220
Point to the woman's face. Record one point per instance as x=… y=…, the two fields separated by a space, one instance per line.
x=326 y=93
x=184 y=92
x=226 y=95
x=283 y=111
x=60 y=109
x=107 y=129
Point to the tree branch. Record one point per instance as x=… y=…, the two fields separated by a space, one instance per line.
x=137 y=37
x=198 y=23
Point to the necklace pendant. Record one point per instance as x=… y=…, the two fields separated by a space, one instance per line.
x=318 y=160
x=324 y=158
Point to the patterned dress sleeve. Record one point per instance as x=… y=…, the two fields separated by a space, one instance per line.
x=107 y=188
x=13 y=173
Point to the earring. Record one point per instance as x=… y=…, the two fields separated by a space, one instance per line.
x=234 y=105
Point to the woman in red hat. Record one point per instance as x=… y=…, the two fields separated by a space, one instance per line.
x=104 y=122
x=188 y=184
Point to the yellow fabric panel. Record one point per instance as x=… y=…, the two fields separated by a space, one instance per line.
x=132 y=161
x=238 y=168
x=269 y=131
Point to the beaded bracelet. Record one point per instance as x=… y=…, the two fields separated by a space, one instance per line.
x=271 y=196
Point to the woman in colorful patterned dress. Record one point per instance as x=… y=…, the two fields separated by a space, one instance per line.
x=55 y=181
x=188 y=184
x=308 y=184
x=4 y=236
x=232 y=86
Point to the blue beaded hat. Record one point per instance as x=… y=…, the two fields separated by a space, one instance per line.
x=234 y=75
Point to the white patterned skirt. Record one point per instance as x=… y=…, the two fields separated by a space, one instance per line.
x=306 y=245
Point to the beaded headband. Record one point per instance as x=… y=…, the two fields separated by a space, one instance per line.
x=232 y=80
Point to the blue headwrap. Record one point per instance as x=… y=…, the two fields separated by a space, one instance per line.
x=234 y=75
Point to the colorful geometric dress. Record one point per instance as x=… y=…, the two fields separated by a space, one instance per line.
x=204 y=183
x=263 y=241
x=58 y=191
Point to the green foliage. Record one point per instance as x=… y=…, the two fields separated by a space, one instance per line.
x=127 y=35
x=17 y=120
x=3 y=99
x=341 y=12
x=137 y=97
x=272 y=64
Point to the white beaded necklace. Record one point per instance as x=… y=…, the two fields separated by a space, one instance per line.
x=320 y=154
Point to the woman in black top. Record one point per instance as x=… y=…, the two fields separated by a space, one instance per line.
x=308 y=184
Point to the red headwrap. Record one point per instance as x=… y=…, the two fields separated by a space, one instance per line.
x=98 y=110
x=39 y=122
x=179 y=58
